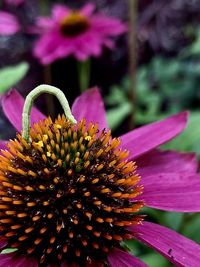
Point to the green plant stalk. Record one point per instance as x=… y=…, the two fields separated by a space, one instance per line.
x=84 y=74
x=132 y=58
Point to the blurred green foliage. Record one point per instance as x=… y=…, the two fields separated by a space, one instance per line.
x=164 y=87
x=11 y=75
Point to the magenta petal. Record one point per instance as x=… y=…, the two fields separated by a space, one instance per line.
x=119 y=258
x=178 y=249
x=90 y=105
x=172 y=191
x=146 y=138
x=12 y=104
x=87 y=10
x=156 y=161
x=59 y=11
x=11 y=260
x=8 y=23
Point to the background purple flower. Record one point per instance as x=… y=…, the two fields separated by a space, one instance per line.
x=169 y=179
x=81 y=33
x=8 y=24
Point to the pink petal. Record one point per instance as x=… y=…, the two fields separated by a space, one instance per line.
x=42 y=25
x=90 y=105
x=59 y=11
x=178 y=249
x=108 y=26
x=156 y=161
x=119 y=258
x=12 y=104
x=11 y=260
x=172 y=192
x=146 y=138
x=47 y=48
x=87 y=10
x=8 y=24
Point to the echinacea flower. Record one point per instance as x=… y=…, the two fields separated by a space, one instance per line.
x=70 y=193
x=9 y=24
x=81 y=33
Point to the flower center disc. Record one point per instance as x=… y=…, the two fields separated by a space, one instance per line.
x=74 y=24
x=67 y=195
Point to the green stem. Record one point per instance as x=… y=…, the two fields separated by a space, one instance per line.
x=43 y=6
x=44 y=88
x=49 y=98
x=84 y=74
x=132 y=57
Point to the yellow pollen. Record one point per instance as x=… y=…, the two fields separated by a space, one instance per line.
x=58 y=126
x=48 y=154
x=45 y=137
x=88 y=138
x=40 y=144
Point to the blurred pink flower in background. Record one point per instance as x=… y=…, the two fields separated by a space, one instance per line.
x=81 y=33
x=8 y=24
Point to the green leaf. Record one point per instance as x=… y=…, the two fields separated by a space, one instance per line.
x=154 y=260
x=191 y=227
x=11 y=75
x=173 y=220
x=115 y=116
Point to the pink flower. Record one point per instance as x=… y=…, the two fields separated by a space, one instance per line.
x=168 y=178
x=8 y=24
x=80 y=33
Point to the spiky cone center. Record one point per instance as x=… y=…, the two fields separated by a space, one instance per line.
x=67 y=195
x=74 y=24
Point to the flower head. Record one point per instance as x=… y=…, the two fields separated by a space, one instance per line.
x=81 y=33
x=71 y=193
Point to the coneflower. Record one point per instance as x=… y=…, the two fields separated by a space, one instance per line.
x=70 y=193
x=68 y=32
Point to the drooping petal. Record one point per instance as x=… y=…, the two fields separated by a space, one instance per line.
x=11 y=260
x=90 y=106
x=12 y=104
x=157 y=161
x=8 y=24
x=87 y=10
x=119 y=258
x=48 y=47
x=172 y=191
x=146 y=138
x=178 y=249
x=59 y=11
x=108 y=26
